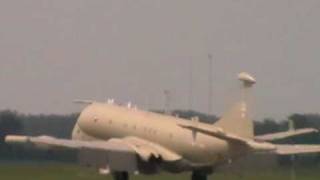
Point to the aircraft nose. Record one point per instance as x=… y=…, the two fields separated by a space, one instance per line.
x=85 y=118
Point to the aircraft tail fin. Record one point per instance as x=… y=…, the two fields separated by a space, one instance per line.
x=237 y=120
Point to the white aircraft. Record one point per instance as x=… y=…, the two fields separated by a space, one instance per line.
x=123 y=140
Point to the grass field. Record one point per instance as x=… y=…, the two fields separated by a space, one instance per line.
x=55 y=171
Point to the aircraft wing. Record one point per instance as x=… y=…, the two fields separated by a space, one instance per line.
x=47 y=142
x=130 y=145
x=284 y=135
x=296 y=149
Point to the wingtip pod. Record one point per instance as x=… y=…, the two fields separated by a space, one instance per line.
x=247 y=79
x=14 y=139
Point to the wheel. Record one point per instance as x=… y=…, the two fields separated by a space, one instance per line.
x=120 y=175
x=198 y=175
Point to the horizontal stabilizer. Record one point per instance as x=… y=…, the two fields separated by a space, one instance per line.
x=285 y=135
x=297 y=149
x=231 y=138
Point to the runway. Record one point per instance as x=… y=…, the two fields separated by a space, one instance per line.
x=54 y=171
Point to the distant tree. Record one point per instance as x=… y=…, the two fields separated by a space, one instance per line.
x=54 y=125
x=299 y=120
x=10 y=123
x=268 y=125
x=305 y=120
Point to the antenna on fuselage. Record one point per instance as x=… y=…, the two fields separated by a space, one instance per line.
x=110 y=101
x=80 y=101
x=129 y=105
x=195 y=122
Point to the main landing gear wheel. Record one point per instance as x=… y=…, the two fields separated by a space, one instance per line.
x=198 y=175
x=120 y=175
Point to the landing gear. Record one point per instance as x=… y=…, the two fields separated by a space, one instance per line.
x=199 y=175
x=120 y=175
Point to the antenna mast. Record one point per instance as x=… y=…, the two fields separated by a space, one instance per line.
x=210 y=83
x=190 y=84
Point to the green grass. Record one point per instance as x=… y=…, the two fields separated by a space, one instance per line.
x=56 y=171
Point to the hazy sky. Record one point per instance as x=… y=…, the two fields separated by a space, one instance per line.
x=52 y=52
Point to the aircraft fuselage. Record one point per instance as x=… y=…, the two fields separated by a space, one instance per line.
x=104 y=121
